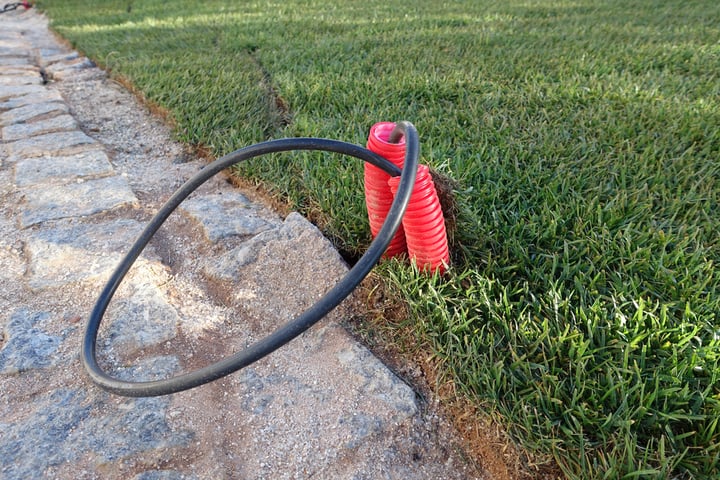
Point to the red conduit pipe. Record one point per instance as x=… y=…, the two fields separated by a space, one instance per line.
x=424 y=224
x=378 y=196
x=422 y=236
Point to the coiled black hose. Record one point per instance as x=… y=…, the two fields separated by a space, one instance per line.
x=293 y=328
x=9 y=7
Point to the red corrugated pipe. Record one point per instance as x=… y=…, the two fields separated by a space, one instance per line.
x=378 y=196
x=423 y=236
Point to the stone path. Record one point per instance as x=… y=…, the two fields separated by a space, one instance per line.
x=82 y=168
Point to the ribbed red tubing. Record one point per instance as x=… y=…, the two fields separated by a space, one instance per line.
x=378 y=196
x=422 y=236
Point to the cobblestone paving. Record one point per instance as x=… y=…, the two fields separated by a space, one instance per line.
x=222 y=274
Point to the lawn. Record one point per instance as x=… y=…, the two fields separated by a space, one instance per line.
x=583 y=304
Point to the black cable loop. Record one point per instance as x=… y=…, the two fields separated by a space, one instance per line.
x=291 y=329
x=9 y=7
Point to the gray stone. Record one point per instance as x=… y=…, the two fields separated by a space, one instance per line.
x=377 y=382
x=337 y=411
x=19 y=131
x=66 y=425
x=59 y=143
x=13 y=48
x=164 y=475
x=40 y=440
x=297 y=226
x=148 y=369
x=44 y=96
x=75 y=200
x=62 y=70
x=7 y=70
x=263 y=395
x=60 y=57
x=362 y=426
x=227 y=267
x=48 y=51
x=12 y=45
x=138 y=426
x=73 y=252
x=21 y=80
x=142 y=319
x=225 y=215
x=28 y=112
x=34 y=171
x=7 y=94
x=14 y=60
x=27 y=346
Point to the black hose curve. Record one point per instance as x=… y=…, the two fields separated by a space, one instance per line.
x=291 y=329
x=9 y=7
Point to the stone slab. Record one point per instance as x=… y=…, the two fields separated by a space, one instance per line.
x=28 y=112
x=49 y=50
x=65 y=69
x=52 y=202
x=50 y=144
x=325 y=423
x=142 y=319
x=70 y=251
x=59 y=57
x=12 y=43
x=7 y=70
x=26 y=344
x=67 y=425
x=9 y=93
x=21 y=80
x=29 y=98
x=34 y=171
x=228 y=266
x=226 y=215
x=19 y=131
x=13 y=60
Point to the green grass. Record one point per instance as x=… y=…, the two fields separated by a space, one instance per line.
x=585 y=140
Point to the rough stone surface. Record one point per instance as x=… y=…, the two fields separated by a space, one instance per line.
x=64 y=427
x=20 y=80
x=27 y=345
x=34 y=171
x=229 y=266
x=62 y=69
x=51 y=202
x=220 y=275
x=70 y=252
x=163 y=475
x=27 y=96
x=58 y=123
x=33 y=110
x=225 y=215
x=9 y=70
x=143 y=319
x=57 y=143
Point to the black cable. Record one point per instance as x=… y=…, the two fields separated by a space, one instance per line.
x=13 y=6
x=293 y=328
